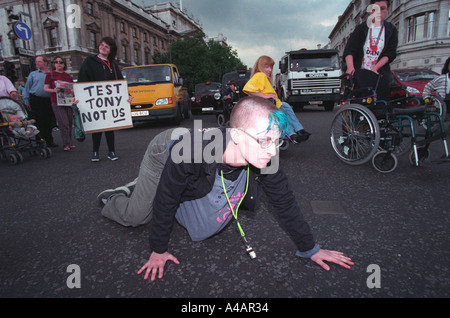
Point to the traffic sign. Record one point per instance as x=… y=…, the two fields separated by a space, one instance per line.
x=22 y=30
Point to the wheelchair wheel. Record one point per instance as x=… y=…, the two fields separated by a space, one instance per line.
x=221 y=121
x=12 y=158
x=437 y=106
x=355 y=134
x=423 y=153
x=284 y=144
x=384 y=161
x=396 y=138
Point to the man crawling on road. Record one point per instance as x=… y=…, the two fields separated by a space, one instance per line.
x=183 y=177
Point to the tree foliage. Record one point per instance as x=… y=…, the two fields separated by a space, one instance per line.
x=199 y=61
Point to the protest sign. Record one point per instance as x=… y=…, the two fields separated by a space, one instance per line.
x=103 y=105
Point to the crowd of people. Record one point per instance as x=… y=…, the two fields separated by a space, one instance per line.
x=39 y=95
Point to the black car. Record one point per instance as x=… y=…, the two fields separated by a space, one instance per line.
x=207 y=98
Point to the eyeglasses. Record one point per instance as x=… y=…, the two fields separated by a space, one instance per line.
x=265 y=142
x=58 y=62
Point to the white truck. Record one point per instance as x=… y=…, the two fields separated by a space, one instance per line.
x=310 y=77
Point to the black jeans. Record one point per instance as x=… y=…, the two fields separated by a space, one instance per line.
x=42 y=112
x=97 y=138
x=381 y=83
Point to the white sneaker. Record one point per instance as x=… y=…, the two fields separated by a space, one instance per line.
x=131 y=185
x=106 y=195
x=112 y=156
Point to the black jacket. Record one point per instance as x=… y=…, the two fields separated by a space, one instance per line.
x=93 y=70
x=355 y=45
x=188 y=181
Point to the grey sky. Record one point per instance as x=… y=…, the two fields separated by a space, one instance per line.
x=261 y=27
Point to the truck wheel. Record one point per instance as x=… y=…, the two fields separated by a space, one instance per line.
x=298 y=107
x=188 y=110
x=329 y=106
x=282 y=98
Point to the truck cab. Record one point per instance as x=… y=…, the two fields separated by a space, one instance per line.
x=310 y=77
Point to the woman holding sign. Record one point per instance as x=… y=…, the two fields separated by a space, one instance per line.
x=102 y=67
x=63 y=112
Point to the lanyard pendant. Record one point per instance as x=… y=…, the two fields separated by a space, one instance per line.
x=250 y=252
x=249 y=249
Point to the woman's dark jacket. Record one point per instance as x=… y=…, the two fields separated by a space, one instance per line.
x=93 y=70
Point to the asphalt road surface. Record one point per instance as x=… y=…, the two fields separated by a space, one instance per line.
x=394 y=227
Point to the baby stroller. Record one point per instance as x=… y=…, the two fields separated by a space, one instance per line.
x=18 y=135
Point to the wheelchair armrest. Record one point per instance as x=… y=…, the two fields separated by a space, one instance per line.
x=409 y=111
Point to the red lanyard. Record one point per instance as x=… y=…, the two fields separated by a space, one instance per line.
x=374 y=48
x=107 y=64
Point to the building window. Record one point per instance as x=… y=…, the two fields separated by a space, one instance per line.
x=92 y=40
x=53 y=37
x=430 y=25
x=124 y=53
x=122 y=27
x=49 y=4
x=421 y=27
x=448 y=27
x=136 y=56
x=134 y=32
x=90 y=8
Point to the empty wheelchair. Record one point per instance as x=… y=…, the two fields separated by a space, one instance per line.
x=366 y=129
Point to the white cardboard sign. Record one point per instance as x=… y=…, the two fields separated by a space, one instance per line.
x=103 y=105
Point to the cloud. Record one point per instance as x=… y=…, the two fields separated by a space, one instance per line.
x=255 y=27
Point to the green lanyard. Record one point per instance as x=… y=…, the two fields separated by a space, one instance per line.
x=248 y=248
x=235 y=212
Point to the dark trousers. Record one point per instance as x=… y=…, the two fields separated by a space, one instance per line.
x=42 y=112
x=64 y=118
x=97 y=138
x=365 y=78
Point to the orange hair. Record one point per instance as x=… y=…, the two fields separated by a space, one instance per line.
x=260 y=63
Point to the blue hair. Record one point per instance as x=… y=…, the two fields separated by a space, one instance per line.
x=279 y=119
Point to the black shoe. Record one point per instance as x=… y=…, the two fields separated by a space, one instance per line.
x=302 y=135
x=293 y=137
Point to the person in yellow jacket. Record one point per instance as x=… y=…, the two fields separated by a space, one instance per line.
x=260 y=85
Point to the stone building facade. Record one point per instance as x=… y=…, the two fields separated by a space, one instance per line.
x=73 y=28
x=423 y=25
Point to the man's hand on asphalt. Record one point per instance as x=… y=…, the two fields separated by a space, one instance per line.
x=331 y=256
x=156 y=264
